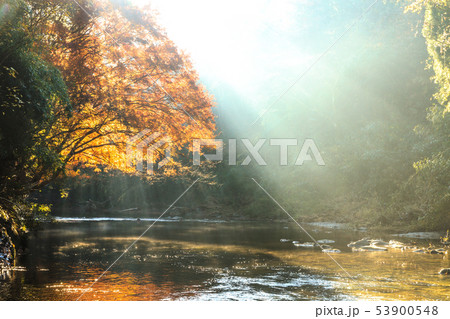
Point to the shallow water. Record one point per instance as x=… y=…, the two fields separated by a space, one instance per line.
x=204 y=260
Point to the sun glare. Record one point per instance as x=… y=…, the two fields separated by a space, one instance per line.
x=223 y=37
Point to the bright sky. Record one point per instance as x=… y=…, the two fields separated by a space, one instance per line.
x=225 y=37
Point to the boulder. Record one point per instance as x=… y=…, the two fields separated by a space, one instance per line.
x=444 y=271
x=360 y=243
x=378 y=242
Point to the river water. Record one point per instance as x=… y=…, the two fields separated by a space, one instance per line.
x=213 y=260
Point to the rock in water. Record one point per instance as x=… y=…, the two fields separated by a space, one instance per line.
x=333 y=251
x=360 y=243
x=307 y=244
x=444 y=271
x=378 y=242
x=326 y=241
x=396 y=244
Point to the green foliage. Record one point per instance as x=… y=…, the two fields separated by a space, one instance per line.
x=30 y=88
x=366 y=105
x=431 y=181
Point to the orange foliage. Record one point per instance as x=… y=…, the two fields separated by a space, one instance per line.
x=123 y=75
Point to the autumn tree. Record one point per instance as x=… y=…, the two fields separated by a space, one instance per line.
x=123 y=75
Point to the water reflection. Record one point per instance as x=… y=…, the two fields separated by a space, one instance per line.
x=213 y=261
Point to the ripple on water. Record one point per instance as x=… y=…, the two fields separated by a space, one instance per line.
x=288 y=284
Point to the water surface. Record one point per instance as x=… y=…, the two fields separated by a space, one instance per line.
x=213 y=260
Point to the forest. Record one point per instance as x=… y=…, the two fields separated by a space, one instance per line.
x=80 y=78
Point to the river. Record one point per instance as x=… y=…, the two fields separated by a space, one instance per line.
x=214 y=260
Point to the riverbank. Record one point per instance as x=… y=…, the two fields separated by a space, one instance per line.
x=356 y=218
